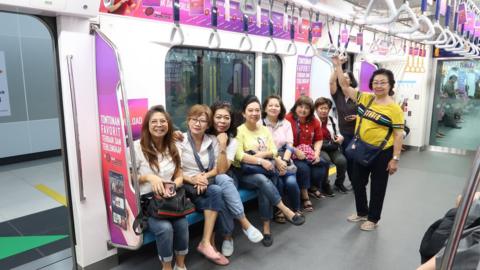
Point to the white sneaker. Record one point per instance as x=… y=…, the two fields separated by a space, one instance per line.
x=253 y=234
x=179 y=268
x=227 y=248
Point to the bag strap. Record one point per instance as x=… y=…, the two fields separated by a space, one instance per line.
x=297 y=122
x=390 y=129
x=334 y=126
x=140 y=224
x=211 y=155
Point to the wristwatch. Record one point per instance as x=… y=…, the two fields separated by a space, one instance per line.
x=396 y=158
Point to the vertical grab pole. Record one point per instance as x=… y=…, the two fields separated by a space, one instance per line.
x=75 y=127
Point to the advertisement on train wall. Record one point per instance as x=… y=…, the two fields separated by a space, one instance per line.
x=4 y=100
x=302 y=81
x=198 y=13
x=119 y=194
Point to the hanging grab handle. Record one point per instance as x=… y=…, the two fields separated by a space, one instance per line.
x=176 y=25
x=245 y=37
x=310 y=50
x=270 y=41
x=214 y=36
x=292 y=48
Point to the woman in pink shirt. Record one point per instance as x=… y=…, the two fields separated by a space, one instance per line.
x=273 y=116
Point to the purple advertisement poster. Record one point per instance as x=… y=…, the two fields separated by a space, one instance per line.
x=366 y=71
x=120 y=199
x=198 y=13
x=302 y=82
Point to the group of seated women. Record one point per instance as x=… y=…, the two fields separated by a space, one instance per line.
x=273 y=153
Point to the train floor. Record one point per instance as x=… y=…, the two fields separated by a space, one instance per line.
x=424 y=188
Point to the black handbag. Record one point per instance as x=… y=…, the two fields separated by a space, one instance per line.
x=161 y=208
x=362 y=152
x=330 y=145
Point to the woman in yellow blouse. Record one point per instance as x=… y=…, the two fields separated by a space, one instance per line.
x=381 y=116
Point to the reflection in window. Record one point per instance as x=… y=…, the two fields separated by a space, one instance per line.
x=271 y=76
x=456 y=108
x=195 y=76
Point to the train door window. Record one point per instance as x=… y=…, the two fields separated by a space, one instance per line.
x=271 y=75
x=34 y=214
x=195 y=76
x=456 y=105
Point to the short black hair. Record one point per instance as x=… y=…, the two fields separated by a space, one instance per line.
x=250 y=99
x=389 y=74
x=452 y=77
x=322 y=101
x=283 y=111
x=353 y=81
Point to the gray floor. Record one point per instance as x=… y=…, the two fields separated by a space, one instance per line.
x=424 y=188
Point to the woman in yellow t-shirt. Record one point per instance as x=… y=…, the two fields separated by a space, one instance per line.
x=380 y=114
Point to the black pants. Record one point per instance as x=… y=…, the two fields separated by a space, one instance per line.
x=378 y=173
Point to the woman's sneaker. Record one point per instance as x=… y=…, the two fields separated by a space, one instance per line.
x=227 y=248
x=356 y=218
x=368 y=226
x=253 y=234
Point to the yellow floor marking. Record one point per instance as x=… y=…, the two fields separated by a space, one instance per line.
x=52 y=194
x=332 y=171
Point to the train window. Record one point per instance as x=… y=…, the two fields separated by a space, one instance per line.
x=195 y=76
x=271 y=75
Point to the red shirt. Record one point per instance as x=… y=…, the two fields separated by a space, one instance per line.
x=309 y=132
x=325 y=132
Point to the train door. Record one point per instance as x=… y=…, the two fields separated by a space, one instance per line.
x=455 y=117
x=35 y=217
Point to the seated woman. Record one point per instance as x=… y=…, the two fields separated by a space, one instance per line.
x=227 y=146
x=273 y=115
x=158 y=162
x=256 y=147
x=307 y=140
x=197 y=152
x=332 y=140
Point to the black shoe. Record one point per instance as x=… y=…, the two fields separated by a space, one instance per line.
x=297 y=220
x=459 y=127
x=267 y=240
x=341 y=188
x=327 y=190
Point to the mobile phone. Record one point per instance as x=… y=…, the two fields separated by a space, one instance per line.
x=117 y=197
x=350 y=117
x=169 y=188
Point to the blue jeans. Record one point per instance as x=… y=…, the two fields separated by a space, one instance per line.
x=170 y=235
x=233 y=203
x=268 y=195
x=308 y=175
x=289 y=188
x=212 y=199
x=347 y=139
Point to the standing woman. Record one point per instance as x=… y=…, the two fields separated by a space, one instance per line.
x=197 y=152
x=256 y=147
x=380 y=114
x=347 y=114
x=273 y=115
x=227 y=146
x=307 y=139
x=158 y=162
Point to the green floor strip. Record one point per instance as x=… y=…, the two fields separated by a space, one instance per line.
x=10 y=246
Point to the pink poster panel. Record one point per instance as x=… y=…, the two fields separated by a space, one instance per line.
x=366 y=71
x=302 y=82
x=137 y=109
x=120 y=198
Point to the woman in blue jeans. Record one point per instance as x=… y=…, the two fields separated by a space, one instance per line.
x=256 y=147
x=156 y=149
x=227 y=146
x=273 y=115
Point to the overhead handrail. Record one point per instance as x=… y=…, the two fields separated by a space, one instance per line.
x=270 y=41
x=460 y=218
x=374 y=45
x=442 y=36
x=245 y=37
x=214 y=36
x=451 y=40
x=292 y=48
x=176 y=25
x=310 y=50
x=376 y=19
x=342 y=51
x=405 y=8
x=423 y=19
x=244 y=7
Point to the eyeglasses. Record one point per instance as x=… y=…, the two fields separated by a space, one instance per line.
x=199 y=121
x=379 y=83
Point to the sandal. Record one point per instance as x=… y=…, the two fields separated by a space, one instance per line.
x=307 y=205
x=316 y=194
x=279 y=217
